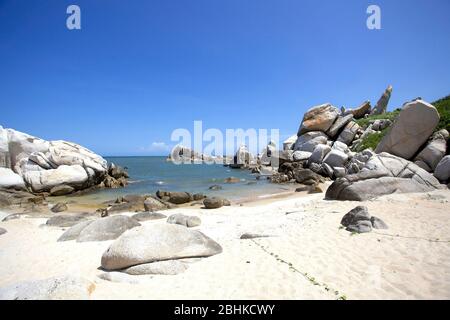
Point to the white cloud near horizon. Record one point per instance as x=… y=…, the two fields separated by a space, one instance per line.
x=157 y=147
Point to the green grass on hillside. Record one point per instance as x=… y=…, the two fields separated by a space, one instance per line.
x=364 y=122
x=371 y=140
x=443 y=107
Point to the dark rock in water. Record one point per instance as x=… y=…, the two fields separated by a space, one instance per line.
x=377 y=223
x=66 y=220
x=303 y=189
x=117 y=172
x=2 y=231
x=108 y=228
x=215 y=203
x=146 y=216
x=232 y=180
x=248 y=236
x=61 y=190
x=59 y=207
x=215 y=187
x=184 y=220
x=180 y=197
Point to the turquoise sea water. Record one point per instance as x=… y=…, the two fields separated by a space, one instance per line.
x=149 y=174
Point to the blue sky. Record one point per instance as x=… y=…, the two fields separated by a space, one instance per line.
x=139 y=69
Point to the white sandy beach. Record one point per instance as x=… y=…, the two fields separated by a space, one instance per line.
x=308 y=257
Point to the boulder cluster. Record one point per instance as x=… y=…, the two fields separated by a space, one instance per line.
x=57 y=168
x=411 y=155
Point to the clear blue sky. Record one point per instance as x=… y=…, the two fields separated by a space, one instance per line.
x=139 y=69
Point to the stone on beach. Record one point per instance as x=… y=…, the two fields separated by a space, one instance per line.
x=340 y=123
x=410 y=131
x=10 y=179
x=146 y=216
x=215 y=203
x=434 y=151
x=157 y=242
x=3 y=231
x=382 y=174
x=184 y=220
x=67 y=220
x=308 y=141
x=442 y=171
x=167 y=267
x=359 y=220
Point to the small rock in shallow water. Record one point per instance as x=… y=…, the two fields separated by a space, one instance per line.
x=215 y=187
x=59 y=207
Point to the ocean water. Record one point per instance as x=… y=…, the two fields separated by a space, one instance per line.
x=149 y=174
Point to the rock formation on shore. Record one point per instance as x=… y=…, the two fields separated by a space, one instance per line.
x=56 y=167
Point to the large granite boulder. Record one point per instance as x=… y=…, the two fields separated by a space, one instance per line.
x=44 y=165
x=415 y=124
x=336 y=158
x=308 y=141
x=266 y=155
x=382 y=174
x=10 y=179
x=442 y=171
x=381 y=105
x=340 y=123
x=319 y=118
x=288 y=144
x=433 y=152
x=319 y=154
x=243 y=158
x=359 y=220
x=157 y=242
x=348 y=134
x=103 y=229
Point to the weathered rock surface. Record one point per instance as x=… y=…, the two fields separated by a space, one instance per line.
x=57 y=288
x=288 y=144
x=359 y=220
x=61 y=190
x=434 y=151
x=175 y=197
x=301 y=155
x=415 y=124
x=102 y=229
x=184 y=220
x=340 y=123
x=44 y=165
x=167 y=267
x=319 y=154
x=348 y=134
x=307 y=177
x=215 y=203
x=2 y=231
x=243 y=158
x=67 y=220
x=146 y=216
x=319 y=118
x=382 y=174
x=59 y=207
x=152 y=204
x=360 y=111
x=382 y=104
x=157 y=242
x=336 y=158
x=309 y=141
x=10 y=179
x=442 y=171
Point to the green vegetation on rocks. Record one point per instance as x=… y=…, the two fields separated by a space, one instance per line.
x=364 y=122
x=443 y=107
x=371 y=140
